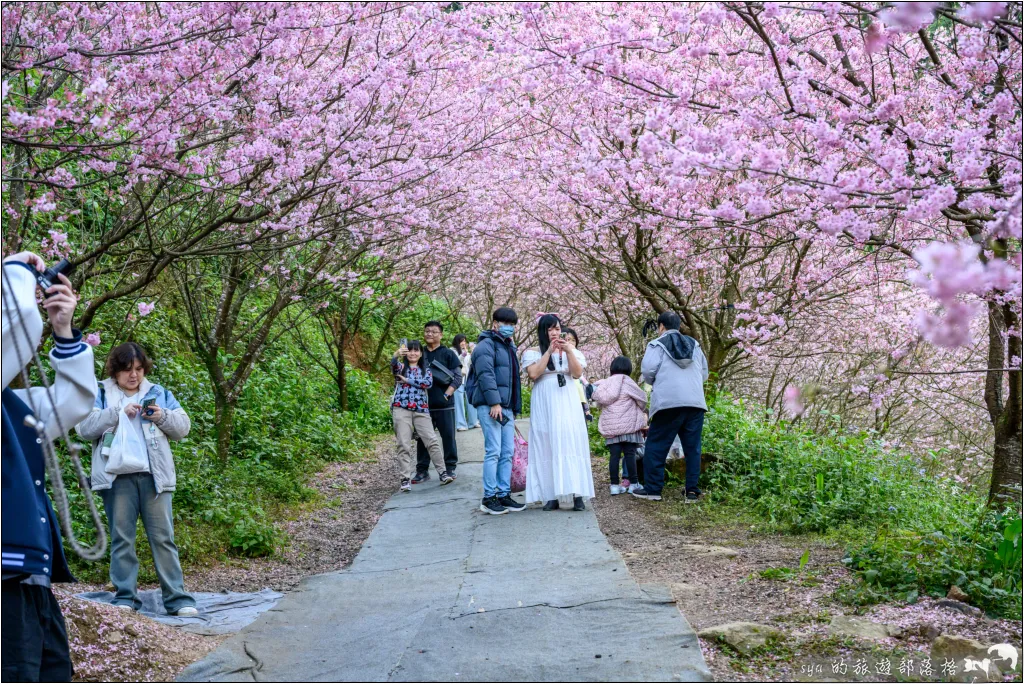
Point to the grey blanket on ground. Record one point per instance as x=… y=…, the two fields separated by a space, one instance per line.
x=223 y=613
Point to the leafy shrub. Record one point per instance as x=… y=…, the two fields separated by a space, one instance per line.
x=908 y=532
x=251 y=537
x=983 y=559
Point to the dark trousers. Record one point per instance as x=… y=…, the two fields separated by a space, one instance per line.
x=688 y=423
x=444 y=422
x=627 y=452
x=35 y=641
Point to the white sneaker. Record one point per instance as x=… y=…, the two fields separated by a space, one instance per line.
x=616 y=489
x=633 y=487
x=187 y=611
x=123 y=606
x=461 y=429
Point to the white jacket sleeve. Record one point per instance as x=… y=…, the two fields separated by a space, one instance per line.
x=72 y=391
x=22 y=324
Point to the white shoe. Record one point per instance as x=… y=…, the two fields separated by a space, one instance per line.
x=123 y=606
x=461 y=429
x=616 y=489
x=633 y=487
x=187 y=611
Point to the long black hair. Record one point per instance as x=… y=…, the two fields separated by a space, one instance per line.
x=457 y=343
x=543 y=325
x=414 y=345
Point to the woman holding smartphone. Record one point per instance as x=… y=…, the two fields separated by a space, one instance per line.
x=559 y=462
x=146 y=491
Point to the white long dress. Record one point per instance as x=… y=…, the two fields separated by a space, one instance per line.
x=559 y=462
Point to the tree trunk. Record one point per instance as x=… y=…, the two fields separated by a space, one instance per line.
x=1006 y=467
x=1004 y=411
x=342 y=374
x=224 y=423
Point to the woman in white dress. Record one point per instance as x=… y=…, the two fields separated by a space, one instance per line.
x=559 y=462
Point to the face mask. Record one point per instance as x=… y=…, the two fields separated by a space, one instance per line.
x=506 y=330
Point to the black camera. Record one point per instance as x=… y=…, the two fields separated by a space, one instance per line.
x=48 y=278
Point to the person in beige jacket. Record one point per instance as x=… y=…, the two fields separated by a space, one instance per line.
x=146 y=487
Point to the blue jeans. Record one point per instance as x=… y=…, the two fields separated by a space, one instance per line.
x=499 y=444
x=129 y=497
x=688 y=424
x=465 y=418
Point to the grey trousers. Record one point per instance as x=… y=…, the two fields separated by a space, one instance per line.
x=406 y=423
x=129 y=497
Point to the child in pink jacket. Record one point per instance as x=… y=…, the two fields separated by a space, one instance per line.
x=623 y=416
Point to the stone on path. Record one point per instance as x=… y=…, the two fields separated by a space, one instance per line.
x=862 y=628
x=983 y=665
x=442 y=592
x=709 y=550
x=958 y=594
x=742 y=636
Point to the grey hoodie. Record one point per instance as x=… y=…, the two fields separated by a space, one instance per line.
x=677 y=369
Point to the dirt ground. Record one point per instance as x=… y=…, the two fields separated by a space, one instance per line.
x=714 y=570
x=113 y=644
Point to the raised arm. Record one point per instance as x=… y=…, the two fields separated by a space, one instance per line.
x=22 y=324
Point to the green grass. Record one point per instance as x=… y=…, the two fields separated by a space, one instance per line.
x=907 y=532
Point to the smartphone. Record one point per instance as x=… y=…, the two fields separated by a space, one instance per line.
x=147 y=405
x=504 y=419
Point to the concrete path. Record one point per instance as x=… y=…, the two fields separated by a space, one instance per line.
x=442 y=592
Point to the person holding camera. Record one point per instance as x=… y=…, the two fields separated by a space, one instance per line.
x=446 y=368
x=34 y=637
x=559 y=462
x=140 y=483
x=465 y=419
x=495 y=391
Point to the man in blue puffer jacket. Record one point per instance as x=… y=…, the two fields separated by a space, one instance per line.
x=34 y=639
x=494 y=389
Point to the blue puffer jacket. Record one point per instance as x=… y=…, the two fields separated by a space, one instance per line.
x=494 y=373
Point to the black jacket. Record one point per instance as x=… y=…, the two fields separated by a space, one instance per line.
x=494 y=375
x=450 y=360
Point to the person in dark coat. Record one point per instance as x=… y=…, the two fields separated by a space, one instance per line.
x=443 y=364
x=494 y=388
x=33 y=634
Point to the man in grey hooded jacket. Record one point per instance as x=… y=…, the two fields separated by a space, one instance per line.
x=677 y=369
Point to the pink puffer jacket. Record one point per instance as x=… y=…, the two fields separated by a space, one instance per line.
x=623 y=406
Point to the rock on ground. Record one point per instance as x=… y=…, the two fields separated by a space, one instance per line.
x=846 y=625
x=742 y=636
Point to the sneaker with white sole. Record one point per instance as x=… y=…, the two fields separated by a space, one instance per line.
x=510 y=504
x=445 y=478
x=492 y=506
x=615 y=489
x=187 y=611
x=634 y=487
x=642 y=493
x=406 y=485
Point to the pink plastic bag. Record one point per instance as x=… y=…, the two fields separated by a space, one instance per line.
x=520 y=459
